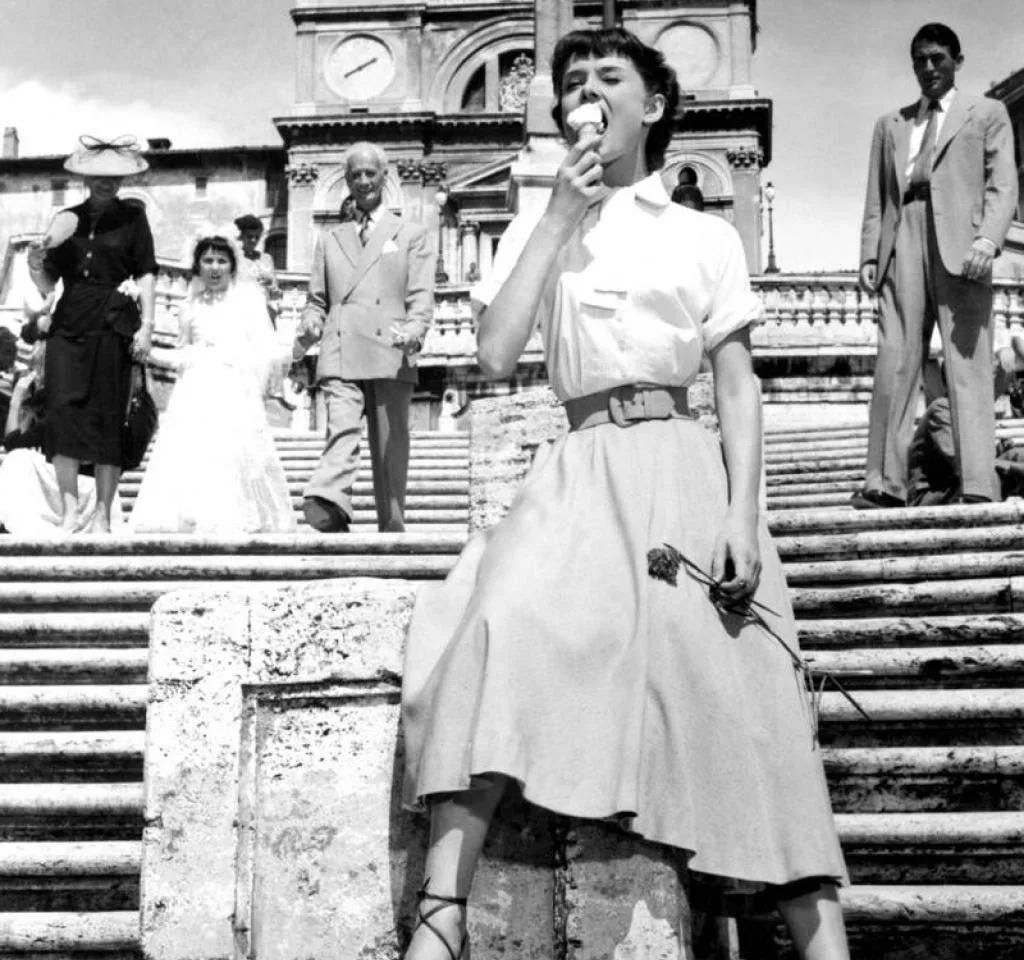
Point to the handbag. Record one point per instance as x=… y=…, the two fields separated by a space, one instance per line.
x=140 y=420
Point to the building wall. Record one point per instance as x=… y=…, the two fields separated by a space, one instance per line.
x=186 y=195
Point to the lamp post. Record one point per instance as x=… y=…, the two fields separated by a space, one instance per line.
x=441 y=196
x=769 y=195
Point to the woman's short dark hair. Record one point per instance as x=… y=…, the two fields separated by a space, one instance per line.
x=657 y=75
x=217 y=245
x=937 y=33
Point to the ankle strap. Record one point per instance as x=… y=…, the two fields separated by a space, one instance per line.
x=424 y=894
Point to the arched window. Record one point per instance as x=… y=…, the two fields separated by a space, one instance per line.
x=501 y=84
x=687 y=177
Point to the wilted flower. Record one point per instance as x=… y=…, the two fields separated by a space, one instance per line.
x=663 y=563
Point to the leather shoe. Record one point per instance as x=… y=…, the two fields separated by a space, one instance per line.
x=874 y=500
x=325 y=516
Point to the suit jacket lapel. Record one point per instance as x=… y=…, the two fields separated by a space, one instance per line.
x=348 y=240
x=385 y=230
x=959 y=113
x=903 y=123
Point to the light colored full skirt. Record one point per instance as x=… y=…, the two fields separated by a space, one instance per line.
x=551 y=655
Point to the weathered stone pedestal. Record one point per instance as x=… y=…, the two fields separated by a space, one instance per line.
x=273 y=821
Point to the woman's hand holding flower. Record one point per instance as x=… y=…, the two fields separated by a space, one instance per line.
x=737 y=542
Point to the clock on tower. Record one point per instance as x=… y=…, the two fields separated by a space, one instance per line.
x=359 y=67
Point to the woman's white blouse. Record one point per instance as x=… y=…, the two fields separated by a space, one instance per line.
x=641 y=291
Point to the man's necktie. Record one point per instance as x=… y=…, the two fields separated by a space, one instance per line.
x=364 y=229
x=922 y=171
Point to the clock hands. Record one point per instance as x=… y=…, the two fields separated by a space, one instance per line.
x=361 y=66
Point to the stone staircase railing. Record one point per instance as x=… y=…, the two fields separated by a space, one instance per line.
x=802 y=312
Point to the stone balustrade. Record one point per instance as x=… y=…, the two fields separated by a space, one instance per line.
x=803 y=313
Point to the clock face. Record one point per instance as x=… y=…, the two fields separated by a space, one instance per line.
x=692 y=52
x=359 y=67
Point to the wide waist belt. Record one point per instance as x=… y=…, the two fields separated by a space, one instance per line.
x=917 y=191
x=627 y=404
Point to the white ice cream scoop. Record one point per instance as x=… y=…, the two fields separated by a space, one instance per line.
x=586 y=114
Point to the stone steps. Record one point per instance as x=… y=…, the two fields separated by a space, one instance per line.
x=73 y=661
x=919 y=612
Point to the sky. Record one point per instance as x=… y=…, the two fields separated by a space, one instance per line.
x=215 y=74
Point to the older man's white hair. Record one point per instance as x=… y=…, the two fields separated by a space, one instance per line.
x=365 y=148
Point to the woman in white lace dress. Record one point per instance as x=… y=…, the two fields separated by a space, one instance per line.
x=214 y=469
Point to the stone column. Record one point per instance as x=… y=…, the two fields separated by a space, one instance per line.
x=485 y=243
x=746 y=198
x=450 y=241
x=302 y=178
x=469 y=230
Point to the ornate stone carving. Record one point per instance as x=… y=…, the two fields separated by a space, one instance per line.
x=514 y=88
x=302 y=173
x=744 y=157
x=425 y=171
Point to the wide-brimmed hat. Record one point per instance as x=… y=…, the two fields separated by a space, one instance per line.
x=119 y=157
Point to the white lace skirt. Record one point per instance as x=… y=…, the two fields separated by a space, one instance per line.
x=214 y=469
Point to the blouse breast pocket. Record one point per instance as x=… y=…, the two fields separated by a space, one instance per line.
x=602 y=304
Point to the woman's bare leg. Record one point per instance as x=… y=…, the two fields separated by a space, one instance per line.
x=107 y=479
x=66 y=470
x=458 y=827
x=815 y=922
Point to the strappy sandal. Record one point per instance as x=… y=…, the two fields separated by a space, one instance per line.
x=423 y=918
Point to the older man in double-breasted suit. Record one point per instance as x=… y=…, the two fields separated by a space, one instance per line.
x=942 y=192
x=371 y=300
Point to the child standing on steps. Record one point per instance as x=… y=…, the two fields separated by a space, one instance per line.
x=553 y=655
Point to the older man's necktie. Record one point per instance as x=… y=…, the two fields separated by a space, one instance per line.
x=364 y=228
x=922 y=171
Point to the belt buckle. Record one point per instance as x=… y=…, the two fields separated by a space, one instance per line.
x=618 y=399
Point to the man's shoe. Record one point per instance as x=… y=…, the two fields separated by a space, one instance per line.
x=874 y=500
x=325 y=516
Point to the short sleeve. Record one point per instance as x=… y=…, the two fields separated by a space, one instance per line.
x=143 y=255
x=733 y=304
x=510 y=249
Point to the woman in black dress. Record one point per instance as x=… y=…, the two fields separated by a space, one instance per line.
x=97 y=330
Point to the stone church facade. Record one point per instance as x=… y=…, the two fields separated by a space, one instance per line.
x=442 y=85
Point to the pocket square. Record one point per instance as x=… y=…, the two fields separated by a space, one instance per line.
x=389 y=247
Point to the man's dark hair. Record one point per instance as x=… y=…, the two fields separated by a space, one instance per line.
x=937 y=33
x=657 y=75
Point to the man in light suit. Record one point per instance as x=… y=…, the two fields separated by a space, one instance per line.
x=371 y=299
x=942 y=191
